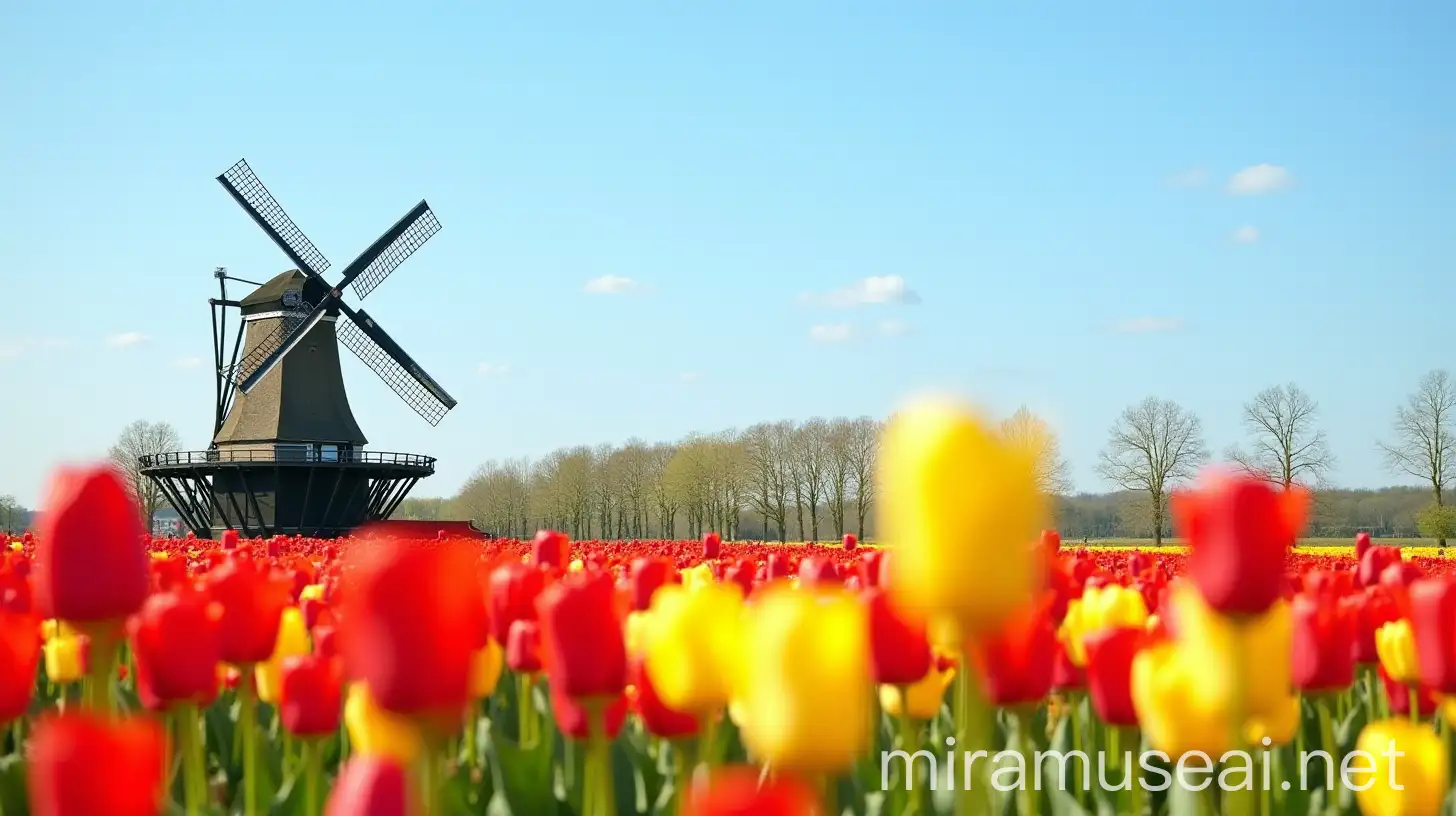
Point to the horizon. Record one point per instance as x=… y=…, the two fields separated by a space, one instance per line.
x=664 y=221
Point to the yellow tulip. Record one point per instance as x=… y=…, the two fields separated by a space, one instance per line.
x=577 y=565
x=1259 y=648
x=697 y=577
x=17 y=546
x=376 y=732
x=485 y=670
x=1396 y=646
x=1100 y=608
x=65 y=658
x=961 y=507
x=1173 y=719
x=806 y=692
x=1280 y=725
x=293 y=641
x=922 y=700
x=691 y=641
x=1448 y=710
x=312 y=592
x=1410 y=771
x=634 y=628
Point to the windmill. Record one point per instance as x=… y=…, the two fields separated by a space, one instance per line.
x=287 y=455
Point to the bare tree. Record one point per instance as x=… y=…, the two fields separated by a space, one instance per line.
x=11 y=514
x=864 y=446
x=1153 y=445
x=1030 y=432
x=142 y=438
x=810 y=463
x=1286 y=446
x=767 y=446
x=839 y=453
x=1424 y=445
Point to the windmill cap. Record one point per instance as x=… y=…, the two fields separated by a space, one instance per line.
x=269 y=296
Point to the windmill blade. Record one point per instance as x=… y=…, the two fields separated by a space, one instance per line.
x=390 y=250
x=271 y=350
x=373 y=345
x=252 y=196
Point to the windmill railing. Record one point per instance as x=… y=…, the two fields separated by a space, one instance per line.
x=286 y=455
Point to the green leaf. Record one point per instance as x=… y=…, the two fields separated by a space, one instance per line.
x=14 y=798
x=522 y=776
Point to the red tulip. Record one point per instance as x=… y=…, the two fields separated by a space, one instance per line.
x=581 y=636
x=514 y=588
x=1374 y=562
x=523 y=647
x=850 y=542
x=371 y=786
x=413 y=615
x=737 y=791
x=1371 y=609
x=1362 y=543
x=90 y=563
x=819 y=571
x=1066 y=675
x=870 y=567
x=657 y=718
x=742 y=573
x=310 y=696
x=646 y=575
x=1324 y=644
x=177 y=643
x=777 y=567
x=252 y=601
x=229 y=539
x=1110 y=653
x=574 y=720
x=1051 y=544
x=1399 y=696
x=899 y=646
x=551 y=549
x=1239 y=529
x=20 y=648
x=1016 y=662
x=83 y=765
x=712 y=546
x=1433 y=623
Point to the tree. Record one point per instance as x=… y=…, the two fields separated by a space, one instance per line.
x=1424 y=445
x=1286 y=446
x=1030 y=432
x=809 y=462
x=1153 y=445
x=12 y=515
x=419 y=509
x=1438 y=522
x=864 y=446
x=142 y=438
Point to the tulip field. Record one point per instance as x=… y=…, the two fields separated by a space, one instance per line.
x=971 y=665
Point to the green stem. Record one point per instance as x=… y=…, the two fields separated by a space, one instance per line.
x=1413 y=694
x=708 y=741
x=973 y=733
x=194 y=772
x=1074 y=709
x=248 y=723
x=684 y=760
x=1240 y=801
x=313 y=774
x=526 y=709
x=1025 y=792
x=101 y=667
x=1327 y=740
x=599 y=760
x=472 y=716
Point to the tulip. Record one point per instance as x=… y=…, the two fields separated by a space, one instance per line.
x=1372 y=608
x=229 y=539
x=646 y=576
x=486 y=666
x=374 y=731
x=819 y=571
x=1016 y=662
x=310 y=695
x=739 y=791
x=657 y=717
x=958 y=503
x=712 y=546
x=413 y=606
x=574 y=721
x=551 y=549
x=899 y=646
x=1362 y=544
x=1239 y=530
x=1279 y=725
x=1411 y=700
x=1433 y=625
x=20 y=651
x=1324 y=644
x=523 y=647
x=849 y=542
x=372 y=785
x=90 y=565
x=699 y=577
x=1374 y=563
x=1066 y=675
x=806 y=692
x=66 y=658
x=581 y=636
x=251 y=601
x=920 y=700
x=1396 y=646
x=777 y=567
x=1248 y=661
x=176 y=644
x=1411 y=773
x=1106 y=607
x=82 y=765
x=869 y=569
x=1110 y=654
x=1174 y=719
x=740 y=574
x=293 y=641
x=691 y=647
x=513 y=589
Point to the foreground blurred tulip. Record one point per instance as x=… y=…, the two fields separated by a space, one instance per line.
x=806 y=692
x=657 y=717
x=1433 y=626
x=958 y=506
x=1173 y=719
x=252 y=602
x=176 y=647
x=1411 y=772
x=486 y=666
x=920 y=700
x=1239 y=529
x=293 y=641
x=413 y=615
x=712 y=546
x=1324 y=644
x=581 y=636
x=309 y=701
x=1246 y=663
x=512 y=595
x=691 y=647
x=82 y=765
x=551 y=549
x=66 y=658
x=1110 y=653
x=1015 y=661
x=372 y=786
x=899 y=646
x=20 y=650
x=738 y=791
x=374 y=731
x=91 y=567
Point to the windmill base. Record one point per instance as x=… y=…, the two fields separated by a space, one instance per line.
x=260 y=493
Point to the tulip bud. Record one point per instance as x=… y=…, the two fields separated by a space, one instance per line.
x=310 y=696
x=371 y=784
x=228 y=540
x=850 y=542
x=581 y=636
x=523 y=647
x=712 y=546
x=79 y=764
x=90 y=565
x=552 y=549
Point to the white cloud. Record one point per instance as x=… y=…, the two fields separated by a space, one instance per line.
x=895 y=328
x=611 y=285
x=876 y=289
x=831 y=333
x=1192 y=177
x=1246 y=235
x=492 y=369
x=1147 y=325
x=187 y=362
x=690 y=377
x=1260 y=178
x=126 y=339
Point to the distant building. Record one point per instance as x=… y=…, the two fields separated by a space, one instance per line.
x=166 y=523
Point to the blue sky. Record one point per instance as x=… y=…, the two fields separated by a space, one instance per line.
x=1057 y=182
